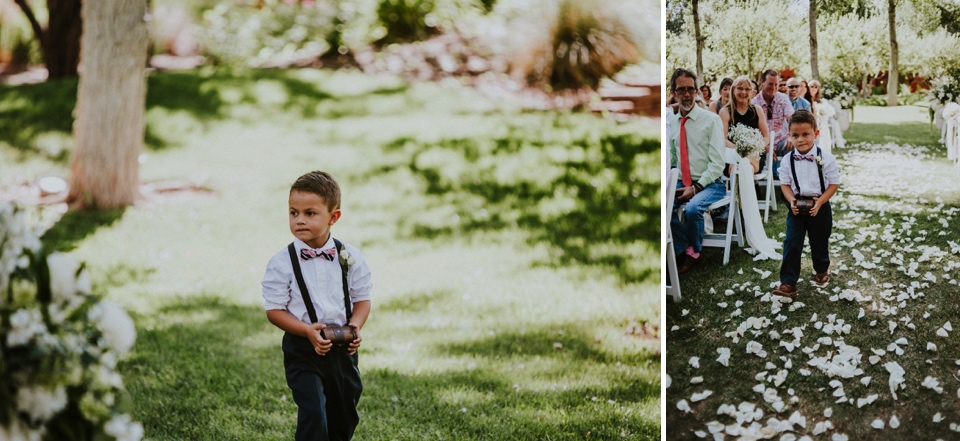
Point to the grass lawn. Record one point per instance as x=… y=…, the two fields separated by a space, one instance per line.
x=512 y=251
x=827 y=357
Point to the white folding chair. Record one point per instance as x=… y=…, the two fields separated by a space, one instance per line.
x=734 y=222
x=765 y=179
x=673 y=287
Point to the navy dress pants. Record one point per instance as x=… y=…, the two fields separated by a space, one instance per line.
x=325 y=388
x=818 y=228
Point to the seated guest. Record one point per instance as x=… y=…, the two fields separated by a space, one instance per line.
x=724 y=96
x=697 y=148
x=796 y=98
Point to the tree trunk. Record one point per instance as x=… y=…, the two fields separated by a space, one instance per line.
x=814 y=68
x=60 y=41
x=893 y=80
x=698 y=37
x=109 y=127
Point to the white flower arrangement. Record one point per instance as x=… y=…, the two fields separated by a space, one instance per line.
x=748 y=140
x=346 y=257
x=843 y=92
x=59 y=345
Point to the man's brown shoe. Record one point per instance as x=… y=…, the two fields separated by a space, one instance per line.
x=786 y=291
x=688 y=263
x=821 y=279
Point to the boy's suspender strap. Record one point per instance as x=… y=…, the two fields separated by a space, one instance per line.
x=303 y=286
x=347 y=305
x=823 y=189
x=793 y=169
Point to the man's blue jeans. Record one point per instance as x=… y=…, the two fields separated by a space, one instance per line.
x=689 y=232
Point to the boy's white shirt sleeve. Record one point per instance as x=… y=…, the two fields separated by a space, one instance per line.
x=786 y=177
x=276 y=282
x=359 y=278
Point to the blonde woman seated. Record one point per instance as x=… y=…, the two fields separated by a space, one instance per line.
x=740 y=111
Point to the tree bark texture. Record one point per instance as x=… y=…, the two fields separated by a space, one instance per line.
x=893 y=80
x=109 y=127
x=698 y=37
x=814 y=67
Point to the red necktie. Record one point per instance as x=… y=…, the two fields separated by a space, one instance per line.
x=684 y=157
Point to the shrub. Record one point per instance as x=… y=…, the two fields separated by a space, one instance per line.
x=583 y=42
x=406 y=20
x=58 y=346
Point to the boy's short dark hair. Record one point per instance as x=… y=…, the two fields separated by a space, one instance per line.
x=803 y=116
x=321 y=184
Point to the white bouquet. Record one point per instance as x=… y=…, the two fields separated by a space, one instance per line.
x=59 y=346
x=748 y=141
x=825 y=111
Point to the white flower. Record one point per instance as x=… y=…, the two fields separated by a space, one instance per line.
x=748 y=140
x=118 y=329
x=25 y=324
x=347 y=258
x=41 y=403
x=68 y=279
x=123 y=428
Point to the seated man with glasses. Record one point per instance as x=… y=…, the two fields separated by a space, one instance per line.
x=697 y=147
x=782 y=87
x=777 y=109
x=796 y=100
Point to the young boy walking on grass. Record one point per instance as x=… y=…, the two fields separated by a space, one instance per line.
x=809 y=177
x=318 y=284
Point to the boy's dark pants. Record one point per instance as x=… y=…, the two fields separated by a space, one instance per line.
x=818 y=228
x=325 y=388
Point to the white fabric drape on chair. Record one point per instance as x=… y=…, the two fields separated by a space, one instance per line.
x=762 y=246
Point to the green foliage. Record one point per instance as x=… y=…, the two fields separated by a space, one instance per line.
x=584 y=42
x=406 y=20
x=279 y=34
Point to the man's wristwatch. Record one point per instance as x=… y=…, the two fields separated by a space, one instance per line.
x=697 y=188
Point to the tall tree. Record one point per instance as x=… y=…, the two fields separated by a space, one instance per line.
x=893 y=80
x=60 y=40
x=814 y=67
x=698 y=37
x=109 y=127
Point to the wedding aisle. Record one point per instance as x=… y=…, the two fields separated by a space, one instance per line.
x=870 y=356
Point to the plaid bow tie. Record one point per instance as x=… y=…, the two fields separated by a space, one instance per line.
x=310 y=253
x=810 y=158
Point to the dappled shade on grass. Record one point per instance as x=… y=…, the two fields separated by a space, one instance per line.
x=586 y=196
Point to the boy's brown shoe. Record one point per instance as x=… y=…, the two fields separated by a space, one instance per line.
x=821 y=279
x=786 y=291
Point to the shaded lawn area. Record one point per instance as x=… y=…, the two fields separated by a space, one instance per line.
x=894 y=243
x=512 y=254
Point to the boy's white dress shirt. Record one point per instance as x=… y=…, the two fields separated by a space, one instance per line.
x=807 y=174
x=323 y=279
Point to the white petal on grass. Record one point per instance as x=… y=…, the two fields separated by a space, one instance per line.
x=668 y=380
x=942 y=333
x=877 y=424
x=937 y=417
x=839 y=437
x=696 y=380
x=948 y=326
x=896 y=376
x=867 y=400
x=683 y=405
x=894 y=422
x=724 y=357
x=700 y=396
x=865 y=381
x=695 y=362
x=931 y=347
x=932 y=383
x=684 y=312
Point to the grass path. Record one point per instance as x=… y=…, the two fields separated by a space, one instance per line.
x=510 y=250
x=821 y=366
